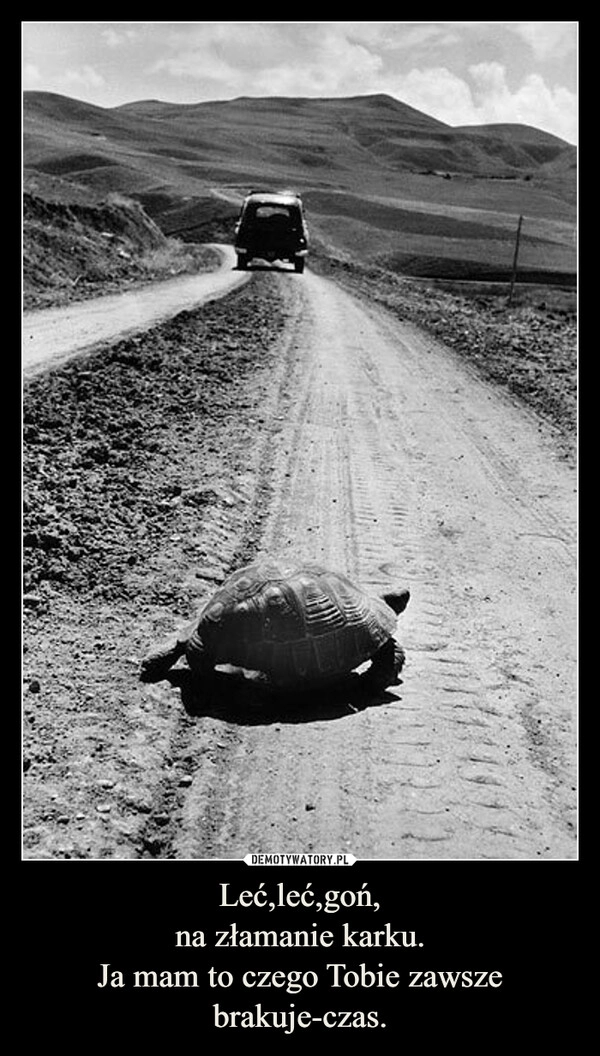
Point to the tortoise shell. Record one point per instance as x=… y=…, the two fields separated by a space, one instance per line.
x=294 y=623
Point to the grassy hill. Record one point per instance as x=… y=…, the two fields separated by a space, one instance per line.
x=382 y=182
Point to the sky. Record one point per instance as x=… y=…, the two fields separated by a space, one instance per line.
x=462 y=73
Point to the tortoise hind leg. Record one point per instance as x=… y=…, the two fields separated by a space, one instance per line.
x=397 y=599
x=386 y=665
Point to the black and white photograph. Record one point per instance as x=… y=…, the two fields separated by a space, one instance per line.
x=299 y=448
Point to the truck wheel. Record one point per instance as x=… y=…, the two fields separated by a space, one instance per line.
x=299 y=265
x=242 y=261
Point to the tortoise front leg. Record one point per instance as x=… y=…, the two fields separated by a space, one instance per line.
x=386 y=665
x=159 y=662
x=200 y=662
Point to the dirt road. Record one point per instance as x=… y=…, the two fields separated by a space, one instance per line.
x=390 y=460
x=398 y=466
x=52 y=336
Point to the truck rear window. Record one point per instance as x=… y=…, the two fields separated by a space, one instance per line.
x=265 y=212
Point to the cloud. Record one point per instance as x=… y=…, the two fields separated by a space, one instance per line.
x=534 y=102
x=32 y=77
x=333 y=66
x=400 y=36
x=224 y=50
x=116 y=39
x=547 y=39
x=437 y=92
x=84 y=77
x=272 y=59
x=485 y=98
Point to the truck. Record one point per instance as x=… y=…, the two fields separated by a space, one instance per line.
x=271 y=226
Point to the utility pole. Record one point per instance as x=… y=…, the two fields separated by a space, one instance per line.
x=515 y=258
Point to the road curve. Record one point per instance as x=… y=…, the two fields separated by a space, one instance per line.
x=399 y=465
x=54 y=334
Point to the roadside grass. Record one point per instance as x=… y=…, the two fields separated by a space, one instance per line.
x=176 y=258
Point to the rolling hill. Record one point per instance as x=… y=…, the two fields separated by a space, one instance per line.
x=325 y=140
x=381 y=180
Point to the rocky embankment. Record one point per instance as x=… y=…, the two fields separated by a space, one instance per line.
x=74 y=251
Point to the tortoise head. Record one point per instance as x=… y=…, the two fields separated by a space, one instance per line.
x=397 y=599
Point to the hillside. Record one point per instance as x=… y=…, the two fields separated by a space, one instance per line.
x=326 y=140
x=382 y=181
x=78 y=244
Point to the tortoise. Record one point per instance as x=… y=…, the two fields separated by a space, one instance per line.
x=298 y=625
